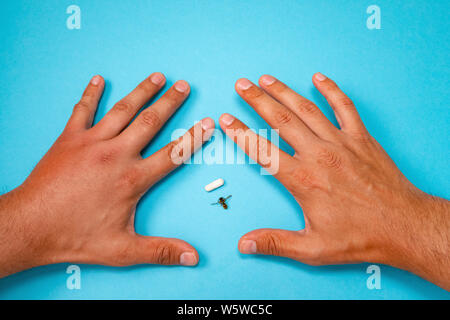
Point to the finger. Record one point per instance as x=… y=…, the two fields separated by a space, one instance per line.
x=123 y=111
x=157 y=250
x=290 y=244
x=175 y=153
x=149 y=122
x=274 y=160
x=344 y=109
x=307 y=111
x=84 y=111
x=292 y=129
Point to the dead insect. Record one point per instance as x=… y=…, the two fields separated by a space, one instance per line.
x=222 y=201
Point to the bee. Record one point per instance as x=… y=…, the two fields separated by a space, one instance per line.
x=222 y=201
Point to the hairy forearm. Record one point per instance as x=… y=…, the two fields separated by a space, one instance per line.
x=18 y=245
x=423 y=244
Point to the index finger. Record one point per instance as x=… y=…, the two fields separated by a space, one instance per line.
x=292 y=129
x=277 y=162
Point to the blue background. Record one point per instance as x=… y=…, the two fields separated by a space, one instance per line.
x=397 y=76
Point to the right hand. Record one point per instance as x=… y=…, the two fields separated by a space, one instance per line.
x=358 y=206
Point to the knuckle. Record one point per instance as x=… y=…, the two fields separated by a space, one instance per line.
x=247 y=140
x=280 y=88
x=74 y=138
x=89 y=94
x=191 y=136
x=82 y=105
x=150 y=118
x=262 y=145
x=175 y=152
x=306 y=107
x=270 y=244
x=172 y=97
x=147 y=86
x=303 y=179
x=124 y=106
x=283 y=116
x=107 y=156
x=345 y=102
x=362 y=137
x=131 y=179
x=329 y=159
x=181 y=149
x=331 y=84
x=172 y=149
x=164 y=254
x=253 y=93
x=264 y=153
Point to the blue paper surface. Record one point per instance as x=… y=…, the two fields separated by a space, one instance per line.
x=398 y=77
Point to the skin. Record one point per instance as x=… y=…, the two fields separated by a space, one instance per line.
x=78 y=204
x=358 y=206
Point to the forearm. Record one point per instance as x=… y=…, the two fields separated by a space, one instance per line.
x=423 y=245
x=18 y=246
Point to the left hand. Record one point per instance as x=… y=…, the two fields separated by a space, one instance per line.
x=78 y=204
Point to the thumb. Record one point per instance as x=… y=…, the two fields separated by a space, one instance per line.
x=290 y=244
x=158 y=250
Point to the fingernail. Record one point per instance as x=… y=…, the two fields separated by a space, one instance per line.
x=188 y=259
x=181 y=86
x=267 y=80
x=243 y=84
x=207 y=124
x=157 y=78
x=95 y=80
x=320 y=76
x=227 y=119
x=248 y=246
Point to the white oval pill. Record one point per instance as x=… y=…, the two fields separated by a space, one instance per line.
x=214 y=185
